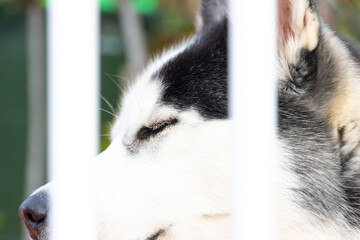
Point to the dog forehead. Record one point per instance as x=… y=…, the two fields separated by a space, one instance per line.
x=197 y=77
x=141 y=103
x=192 y=75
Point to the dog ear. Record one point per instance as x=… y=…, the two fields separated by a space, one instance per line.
x=298 y=26
x=210 y=12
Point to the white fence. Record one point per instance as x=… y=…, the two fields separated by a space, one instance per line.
x=73 y=119
x=253 y=106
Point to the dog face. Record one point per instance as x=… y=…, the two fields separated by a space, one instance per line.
x=166 y=148
x=166 y=173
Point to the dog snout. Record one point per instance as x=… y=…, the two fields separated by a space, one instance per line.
x=33 y=212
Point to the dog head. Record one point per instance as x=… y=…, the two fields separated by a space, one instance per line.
x=165 y=174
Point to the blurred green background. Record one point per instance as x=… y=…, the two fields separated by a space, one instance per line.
x=158 y=22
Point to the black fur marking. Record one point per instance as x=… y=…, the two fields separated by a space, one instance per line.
x=197 y=78
x=314 y=78
x=304 y=71
x=313 y=5
x=146 y=132
x=341 y=132
x=212 y=11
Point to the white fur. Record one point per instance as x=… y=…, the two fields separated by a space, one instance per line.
x=181 y=186
x=177 y=180
x=303 y=36
x=141 y=99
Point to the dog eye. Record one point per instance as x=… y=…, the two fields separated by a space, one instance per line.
x=156 y=235
x=146 y=132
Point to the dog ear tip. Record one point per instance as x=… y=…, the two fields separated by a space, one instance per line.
x=210 y=12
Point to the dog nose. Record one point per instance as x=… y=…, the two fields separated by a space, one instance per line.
x=33 y=212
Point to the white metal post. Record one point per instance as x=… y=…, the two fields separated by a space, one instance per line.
x=73 y=118
x=253 y=107
x=36 y=95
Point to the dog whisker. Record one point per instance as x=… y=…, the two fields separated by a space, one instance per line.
x=106 y=111
x=108 y=104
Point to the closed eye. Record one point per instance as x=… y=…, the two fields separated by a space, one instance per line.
x=146 y=132
x=156 y=235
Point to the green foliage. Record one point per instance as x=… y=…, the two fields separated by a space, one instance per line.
x=105 y=139
x=166 y=26
x=145 y=6
x=2 y=220
x=13 y=120
x=42 y=2
x=355 y=4
x=346 y=18
x=108 y=5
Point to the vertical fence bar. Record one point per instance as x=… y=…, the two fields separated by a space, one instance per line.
x=36 y=100
x=253 y=107
x=73 y=121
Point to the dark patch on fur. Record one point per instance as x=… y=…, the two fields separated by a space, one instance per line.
x=304 y=71
x=197 y=78
x=314 y=78
x=341 y=132
x=313 y=5
x=212 y=10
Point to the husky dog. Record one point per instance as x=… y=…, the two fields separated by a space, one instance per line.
x=166 y=173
